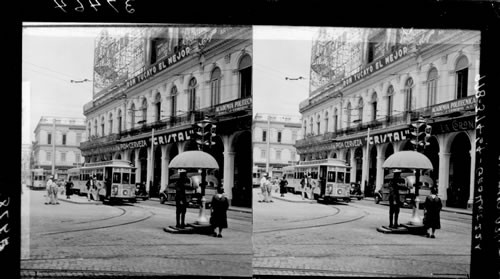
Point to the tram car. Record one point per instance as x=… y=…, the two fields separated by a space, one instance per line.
x=115 y=180
x=330 y=176
x=38 y=179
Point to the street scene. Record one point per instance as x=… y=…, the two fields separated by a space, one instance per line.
x=299 y=237
x=136 y=156
x=364 y=153
x=78 y=238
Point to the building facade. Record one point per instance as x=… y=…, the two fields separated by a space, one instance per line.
x=26 y=155
x=362 y=112
x=151 y=85
x=274 y=138
x=57 y=143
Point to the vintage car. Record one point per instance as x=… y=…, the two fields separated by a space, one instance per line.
x=355 y=191
x=406 y=188
x=193 y=189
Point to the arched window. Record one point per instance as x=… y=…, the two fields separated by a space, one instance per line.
x=311 y=121
x=215 y=81
x=132 y=116
x=144 y=111
x=326 y=122
x=360 y=110
x=390 y=100
x=158 y=107
x=432 y=86
x=173 y=101
x=462 y=75
x=374 y=106
x=192 y=95
x=245 y=76
x=318 y=124
x=110 y=123
x=95 y=128
x=102 y=126
x=89 y=130
x=348 y=110
x=119 y=121
x=335 y=120
x=408 y=90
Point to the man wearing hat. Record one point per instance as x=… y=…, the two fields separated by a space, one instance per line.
x=180 y=200
x=263 y=189
x=48 y=187
x=394 y=199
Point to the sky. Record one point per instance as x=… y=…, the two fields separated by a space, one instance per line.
x=51 y=58
x=280 y=52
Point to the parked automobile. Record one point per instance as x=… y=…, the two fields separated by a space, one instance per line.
x=355 y=191
x=406 y=188
x=193 y=188
x=140 y=191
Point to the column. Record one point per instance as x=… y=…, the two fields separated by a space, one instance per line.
x=380 y=171
x=149 y=169
x=364 y=170
x=444 y=171
x=138 y=166
x=165 y=160
x=354 y=167
x=228 y=174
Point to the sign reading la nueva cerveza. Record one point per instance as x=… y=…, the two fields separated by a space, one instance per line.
x=160 y=139
x=392 y=136
x=159 y=67
x=376 y=66
x=468 y=103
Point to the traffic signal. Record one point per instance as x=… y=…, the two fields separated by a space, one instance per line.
x=204 y=132
x=418 y=134
x=212 y=135
x=428 y=131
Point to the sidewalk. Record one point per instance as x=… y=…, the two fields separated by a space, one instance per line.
x=83 y=200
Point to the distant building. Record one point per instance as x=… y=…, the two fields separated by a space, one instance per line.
x=62 y=135
x=381 y=81
x=274 y=137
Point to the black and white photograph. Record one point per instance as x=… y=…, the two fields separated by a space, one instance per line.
x=364 y=151
x=136 y=150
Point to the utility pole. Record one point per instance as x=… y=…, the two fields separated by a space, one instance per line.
x=54 y=147
x=267 y=144
x=367 y=164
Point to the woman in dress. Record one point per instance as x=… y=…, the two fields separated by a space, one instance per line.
x=432 y=208
x=218 y=217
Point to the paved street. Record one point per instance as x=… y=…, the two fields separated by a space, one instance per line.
x=72 y=239
x=304 y=238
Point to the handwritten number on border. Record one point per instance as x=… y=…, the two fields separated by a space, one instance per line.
x=60 y=6
x=129 y=7
x=109 y=2
x=81 y=8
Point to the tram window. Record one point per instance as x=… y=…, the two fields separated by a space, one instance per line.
x=347 y=176
x=331 y=176
x=116 y=177
x=340 y=177
x=132 y=177
x=99 y=176
x=125 y=179
x=314 y=175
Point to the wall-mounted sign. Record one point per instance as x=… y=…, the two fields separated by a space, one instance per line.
x=468 y=103
x=454 y=125
x=392 y=136
x=376 y=65
x=234 y=106
x=160 y=66
x=173 y=137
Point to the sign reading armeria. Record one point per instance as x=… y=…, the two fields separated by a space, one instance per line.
x=234 y=106
x=160 y=66
x=468 y=103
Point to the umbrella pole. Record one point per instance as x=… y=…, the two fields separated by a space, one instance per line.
x=202 y=218
x=415 y=218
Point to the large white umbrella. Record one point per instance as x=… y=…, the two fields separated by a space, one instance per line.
x=194 y=160
x=408 y=160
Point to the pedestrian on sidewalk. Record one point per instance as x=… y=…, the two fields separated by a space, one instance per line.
x=312 y=186
x=432 y=208
x=283 y=184
x=218 y=216
x=69 y=186
x=90 y=185
x=180 y=200
x=263 y=188
x=303 y=184
x=48 y=188
x=394 y=199
x=269 y=189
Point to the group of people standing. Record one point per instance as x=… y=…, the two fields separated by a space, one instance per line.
x=53 y=188
x=432 y=206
